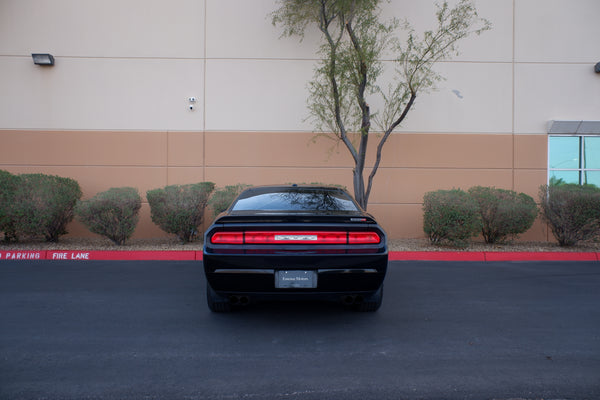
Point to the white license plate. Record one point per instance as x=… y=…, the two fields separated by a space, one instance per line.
x=296 y=279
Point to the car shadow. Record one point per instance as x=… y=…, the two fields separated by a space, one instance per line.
x=295 y=313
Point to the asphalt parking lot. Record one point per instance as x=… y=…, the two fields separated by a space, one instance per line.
x=446 y=330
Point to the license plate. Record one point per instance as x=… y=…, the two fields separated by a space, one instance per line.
x=296 y=279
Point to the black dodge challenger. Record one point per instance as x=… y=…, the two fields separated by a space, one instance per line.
x=295 y=242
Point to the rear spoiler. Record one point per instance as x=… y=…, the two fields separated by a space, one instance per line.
x=296 y=218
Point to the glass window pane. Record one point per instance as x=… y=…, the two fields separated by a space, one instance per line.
x=592 y=177
x=564 y=152
x=591 y=152
x=564 y=177
x=294 y=199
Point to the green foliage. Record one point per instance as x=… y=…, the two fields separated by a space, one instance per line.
x=572 y=211
x=179 y=209
x=113 y=214
x=222 y=198
x=450 y=216
x=354 y=42
x=8 y=186
x=554 y=181
x=419 y=54
x=44 y=205
x=504 y=213
x=296 y=15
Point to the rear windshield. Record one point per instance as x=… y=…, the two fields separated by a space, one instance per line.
x=295 y=199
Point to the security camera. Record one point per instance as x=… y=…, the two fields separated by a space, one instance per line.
x=191 y=107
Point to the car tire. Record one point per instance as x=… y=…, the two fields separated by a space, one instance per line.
x=216 y=303
x=372 y=303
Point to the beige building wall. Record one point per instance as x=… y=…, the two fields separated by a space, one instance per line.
x=114 y=109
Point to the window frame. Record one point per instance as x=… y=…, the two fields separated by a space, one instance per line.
x=581 y=170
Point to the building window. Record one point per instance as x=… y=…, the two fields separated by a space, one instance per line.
x=574 y=152
x=574 y=159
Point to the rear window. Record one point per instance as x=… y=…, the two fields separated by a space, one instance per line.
x=295 y=199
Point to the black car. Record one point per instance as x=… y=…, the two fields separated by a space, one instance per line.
x=295 y=242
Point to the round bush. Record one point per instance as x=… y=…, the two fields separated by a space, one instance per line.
x=44 y=205
x=179 y=209
x=222 y=198
x=572 y=212
x=8 y=186
x=113 y=214
x=504 y=213
x=450 y=216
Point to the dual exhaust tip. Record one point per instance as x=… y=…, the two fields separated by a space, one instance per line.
x=350 y=300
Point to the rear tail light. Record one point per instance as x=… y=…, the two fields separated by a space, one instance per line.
x=363 y=238
x=294 y=237
x=228 y=238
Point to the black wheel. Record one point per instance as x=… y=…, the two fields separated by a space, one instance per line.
x=216 y=303
x=371 y=304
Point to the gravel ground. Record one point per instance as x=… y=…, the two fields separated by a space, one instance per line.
x=168 y=243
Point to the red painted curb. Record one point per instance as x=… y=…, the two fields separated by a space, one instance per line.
x=436 y=256
x=23 y=255
x=542 y=256
x=124 y=255
x=191 y=255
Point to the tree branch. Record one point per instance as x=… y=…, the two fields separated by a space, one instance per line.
x=331 y=76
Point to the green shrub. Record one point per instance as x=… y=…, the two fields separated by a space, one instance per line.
x=44 y=205
x=113 y=214
x=179 y=209
x=8 y=186
x=450 y=216
x=222 y=198
x=572 y=211
x=504 y=214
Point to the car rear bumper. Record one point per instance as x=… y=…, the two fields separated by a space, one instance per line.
x=336 y=274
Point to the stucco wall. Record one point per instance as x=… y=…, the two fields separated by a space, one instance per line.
x=113 y=111
x=414 y=164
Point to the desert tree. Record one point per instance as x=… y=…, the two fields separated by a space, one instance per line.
x=355 y=42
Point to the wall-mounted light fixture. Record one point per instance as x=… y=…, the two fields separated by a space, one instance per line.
x=597 y=68
x=42 y=59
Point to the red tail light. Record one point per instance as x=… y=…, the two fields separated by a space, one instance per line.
x=363 y=238
x=228 y=238
x=295 y=237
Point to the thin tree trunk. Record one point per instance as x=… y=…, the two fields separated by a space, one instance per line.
x=382 y=143
x=359 y=169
